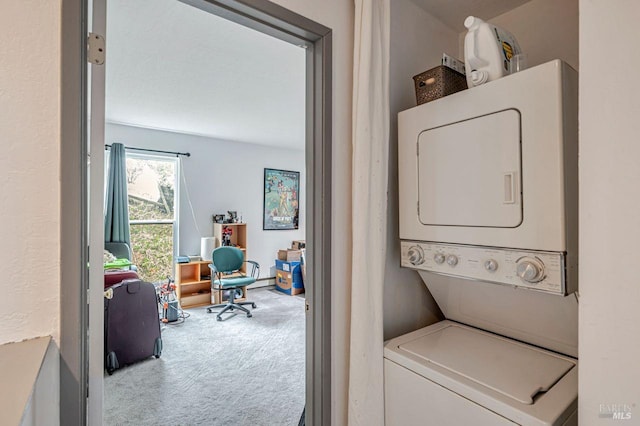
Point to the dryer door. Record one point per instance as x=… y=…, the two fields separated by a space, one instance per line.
x=473 y=169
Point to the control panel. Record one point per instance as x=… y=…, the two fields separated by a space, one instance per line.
x=537 y=270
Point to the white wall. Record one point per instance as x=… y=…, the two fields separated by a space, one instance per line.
x=545 y=30
x=609 y=206
x=222 y=176
x=408 y=305
x=338 y=15
x=29 y=169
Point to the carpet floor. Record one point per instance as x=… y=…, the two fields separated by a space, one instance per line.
x=241 y=371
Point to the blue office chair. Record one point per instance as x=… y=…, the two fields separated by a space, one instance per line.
x=226 y=275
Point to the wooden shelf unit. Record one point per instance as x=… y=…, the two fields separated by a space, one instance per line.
x=238 y=237
x=193 y=279
x=193 y=283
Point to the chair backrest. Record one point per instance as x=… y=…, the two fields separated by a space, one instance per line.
x=227 y=259
x=119 y=250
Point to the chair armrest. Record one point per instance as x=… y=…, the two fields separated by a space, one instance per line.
x=255 y=268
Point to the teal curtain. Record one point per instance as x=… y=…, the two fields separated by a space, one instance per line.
x=116 y=218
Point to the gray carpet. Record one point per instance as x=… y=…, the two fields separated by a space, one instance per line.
x=242 y=371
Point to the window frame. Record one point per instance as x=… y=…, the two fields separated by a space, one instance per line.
x=176 y=199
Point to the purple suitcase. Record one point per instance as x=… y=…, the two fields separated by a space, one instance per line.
x=131 y=324
x=116 y=276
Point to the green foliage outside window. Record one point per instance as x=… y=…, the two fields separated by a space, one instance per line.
x=152 y=247
x=151 y=243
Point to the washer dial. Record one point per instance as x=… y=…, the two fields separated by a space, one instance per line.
x=530 y=269
x=491 y=265
x=439 y=258
x=416 y=255
x=452 y=260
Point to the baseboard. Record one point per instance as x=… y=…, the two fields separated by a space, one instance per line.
x=263 y=282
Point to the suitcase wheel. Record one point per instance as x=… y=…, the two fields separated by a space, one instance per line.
x=157 y=347
x=112 y=362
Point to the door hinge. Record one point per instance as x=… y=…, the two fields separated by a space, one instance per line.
x=307 y=306
x=95 y=49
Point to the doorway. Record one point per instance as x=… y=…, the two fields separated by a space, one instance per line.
x=204 y=104
x=81 y=365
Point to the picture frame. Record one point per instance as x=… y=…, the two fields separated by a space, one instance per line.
x=281 y=199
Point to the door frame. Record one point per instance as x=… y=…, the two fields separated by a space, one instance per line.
x=76 y=202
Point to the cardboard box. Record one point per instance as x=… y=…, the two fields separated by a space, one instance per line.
x=288 y=266
x=289 y=255
x=289 y=282
x=289 y=277
x=298 y=244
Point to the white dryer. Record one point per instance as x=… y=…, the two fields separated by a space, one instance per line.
x=488 y=217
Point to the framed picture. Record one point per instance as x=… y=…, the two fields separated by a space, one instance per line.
x=281 y=195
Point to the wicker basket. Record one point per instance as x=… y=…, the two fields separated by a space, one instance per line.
x=438 y=82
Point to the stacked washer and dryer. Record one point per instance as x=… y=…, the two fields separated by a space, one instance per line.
x=489 y=218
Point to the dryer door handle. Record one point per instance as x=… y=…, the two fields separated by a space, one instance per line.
x=510 y=188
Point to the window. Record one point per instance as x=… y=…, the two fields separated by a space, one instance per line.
x=151 y=187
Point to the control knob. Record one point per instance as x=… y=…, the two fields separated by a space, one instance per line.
x=439 y=258
x=530 y=269
x=452 y=260
x=416 y=255
x=491 y=265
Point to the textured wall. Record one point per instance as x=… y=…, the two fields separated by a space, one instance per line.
x=29 y=168
x=609 y=205
x=408 y=305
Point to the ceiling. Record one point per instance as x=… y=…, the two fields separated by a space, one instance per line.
x=453 y=13
x=173 y=67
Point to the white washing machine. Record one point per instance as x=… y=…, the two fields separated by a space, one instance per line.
x=488 y=217
x=452 y=374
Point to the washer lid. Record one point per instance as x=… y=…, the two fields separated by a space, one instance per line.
x=511 y=368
